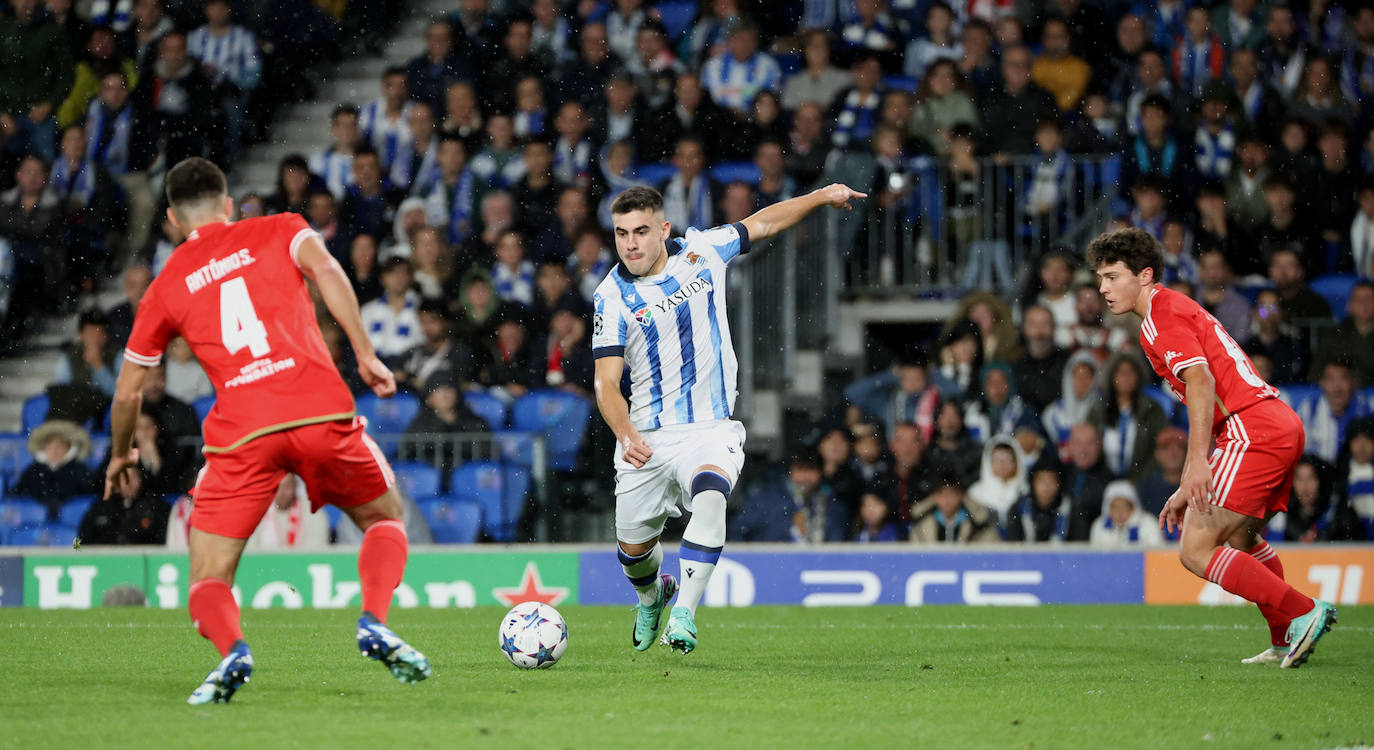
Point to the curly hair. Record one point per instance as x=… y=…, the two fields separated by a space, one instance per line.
x=1136 y=248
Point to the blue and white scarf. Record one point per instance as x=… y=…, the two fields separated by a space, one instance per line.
x=514 y=286
x=571 y=162
x=426 y=173
x=335 y=168
x=1215 y=152
x=734 y=84
x=688 y=206
x=857 y=118
x=530 y=123
x=112 y=150
x=451 y=207
x=76 y=189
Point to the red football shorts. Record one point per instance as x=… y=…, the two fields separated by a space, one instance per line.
x=1257 y=450
x=339 y=462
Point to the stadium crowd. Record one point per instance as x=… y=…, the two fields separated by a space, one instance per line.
x=469 y=202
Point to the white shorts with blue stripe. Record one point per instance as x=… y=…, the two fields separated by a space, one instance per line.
x=645 y=498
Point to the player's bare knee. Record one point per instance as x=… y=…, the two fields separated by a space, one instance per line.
x=388 y=507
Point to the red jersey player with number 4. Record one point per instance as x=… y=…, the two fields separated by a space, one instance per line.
x=236 y=292
x=1223 y=501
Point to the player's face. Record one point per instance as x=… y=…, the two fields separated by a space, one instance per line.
x=639 y=237
x=1120 y=288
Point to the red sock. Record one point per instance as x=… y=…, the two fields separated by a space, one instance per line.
x=1247 y=577
x=381 y=563
x=1278 y=624
x=215 y=613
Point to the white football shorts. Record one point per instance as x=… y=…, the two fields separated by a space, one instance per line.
x=646 y=497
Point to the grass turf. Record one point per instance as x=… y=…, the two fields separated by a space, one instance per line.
x=1094 y=676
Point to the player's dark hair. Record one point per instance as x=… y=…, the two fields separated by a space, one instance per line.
x=1136 y=248
x=637 y=198
x=194 y=180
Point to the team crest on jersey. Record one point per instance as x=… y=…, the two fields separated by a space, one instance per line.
x=694 y=259
x=644 y=317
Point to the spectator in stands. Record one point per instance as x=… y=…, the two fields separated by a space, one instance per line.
x=229 y=55
x=1197 y=55
x=531 y=115
x=690 y=114
x=559 y=358
x=807 y=148
x=1217 y=295
x=444 y=412
x=537 y=191
x=876 y=521
x=1286 y=229
x=1054 y=292
x=556 y=235
x=1089 y=331
x=1156 y=486
x=1353 y=340
x=508 y=361
x=121 y=134
x=1010 y=113
x=1057 y=69
x=572 y=150
x=1361 y=237
x=1308 y=516
x=134 y=514
x=1179 y=261
x=908 y=479
x=515 y=62
x=835 y=449
x=818 y=81
x=687 y=198
x=1214 y=139
x=179 y=93
x=948 y=515
x=961 y=360
x=1270 y=332
x=1259 y=103
x=89 y=362
x=590 y=261
x=1086 y=478
x=392 y=321
x=322 y=212
x=186 y=379
x=31 y=217
x=854 y=112
x=362 y=268
x=498 y=165
x=512 y=275
x=432 y=262
x=334 y=164
x=58 y=472
x=166 y=467
x=293 y=186
x=1043 y=512
x=870 y=459
x=450 y=202
x=1156 y=151
x=1049 y=186
x=1122 y=524
x=1299 y=302
x=1151 y=79
x=1149 y=192
x=1333 y=192
x=1117 y=78
x=550 y=34
x=585 y=78
x=937 y=43
x=774 y=184
x=737 y=76
x=92 y=202
x=1238 y=23
x=942 y=101
x=553 y=291
x=410 y=218
x=1217 y=231
x=1128 y=419
x=1328 y=415
x=462 y=116
x=1002 y=480
x=620 y=116
x=953 y=448
x=439 y=355
x=428 y=75
x=120 y=319
x=997 y=410
x=1353 y=514
x=369 y=204
x=35 y=79
x=1318 y=99
x=870 y=28
x=384 y=121
x=653 y=66
x=1040 y=370
x=1282 y=53
x=176 y=419
x=1078 y=394
x=1165 y=20
x=416 y=167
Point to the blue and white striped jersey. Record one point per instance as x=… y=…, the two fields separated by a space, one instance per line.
x=672 y=330
x=389 y=137
x=232 y=55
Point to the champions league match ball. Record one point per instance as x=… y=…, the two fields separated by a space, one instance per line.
x=533 y=635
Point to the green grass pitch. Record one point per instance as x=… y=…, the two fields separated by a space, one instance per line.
x=946 y=677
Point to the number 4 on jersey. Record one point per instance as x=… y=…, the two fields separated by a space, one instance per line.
x=238 y=321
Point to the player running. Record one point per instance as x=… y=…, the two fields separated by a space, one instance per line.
x=236 y=292
x=662 y=311
x=1225 y=500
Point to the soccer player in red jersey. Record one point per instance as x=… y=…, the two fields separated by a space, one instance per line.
x=1222 y=502
x=236 y=292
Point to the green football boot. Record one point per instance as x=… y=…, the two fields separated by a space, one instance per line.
x=681 y=633
x=648 y=618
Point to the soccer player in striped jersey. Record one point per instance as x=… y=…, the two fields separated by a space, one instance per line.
x=1224 y=502
x=661 y=313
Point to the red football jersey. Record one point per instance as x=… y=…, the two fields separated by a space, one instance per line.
x=1177 y=333
x=234 y=292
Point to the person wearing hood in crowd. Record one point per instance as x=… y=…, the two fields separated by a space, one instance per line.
x=999 y=337
x=1309 y=505
x=410 y=218
x=477 y=309
x=1122 y=523
x=1171 y=449
x=134 y=514
x=1079 y=394
x=1128 y=419
x=903 y=394
x=998 y=410
x=950 y=516
x=1030 y=437
x=876 y=522
x=432 y=261
x=1041 y=514
x=953 y=448
x=1002 y=480
x=58 y=471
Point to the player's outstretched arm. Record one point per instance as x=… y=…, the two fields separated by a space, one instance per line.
x=128 y=399
x=616 y=411
x=336 y=290
x=768 y=221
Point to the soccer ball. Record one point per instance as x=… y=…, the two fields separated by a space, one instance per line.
x=533 y=635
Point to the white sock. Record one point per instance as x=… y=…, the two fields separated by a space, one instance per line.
x=643 y=572
x=701 y=546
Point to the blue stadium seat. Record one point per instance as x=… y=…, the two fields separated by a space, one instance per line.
x=677 y=17
x=1298 y=392
x=727 y=172
x=202 y=406
x=483 y=483
x=390 y=416
x=14 y=456
x=21 y=511
x=35 y=411
x=515 y=487
x=100 y=445
x=75 y=509
x=419 y=480
x=655 y=174
x=516 y=447
x=488 y=407
x=901 y=83
x=1335 y=288
x=560 y=417
x=452 y=521
x=42 y=535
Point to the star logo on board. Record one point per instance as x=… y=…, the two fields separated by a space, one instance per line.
x=531 y=589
